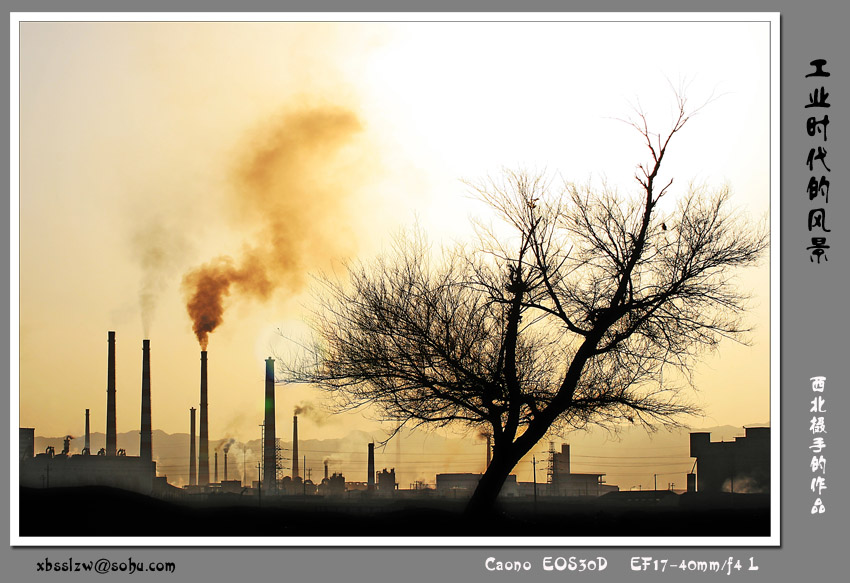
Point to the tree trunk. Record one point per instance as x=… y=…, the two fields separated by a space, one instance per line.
x=483 y=500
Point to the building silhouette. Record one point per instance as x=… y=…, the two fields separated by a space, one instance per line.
x=565 y=483
x=111 y=467
x=741 y=466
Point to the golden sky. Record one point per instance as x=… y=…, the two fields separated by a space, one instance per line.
x=149 y=151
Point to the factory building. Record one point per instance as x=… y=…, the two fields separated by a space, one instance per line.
x=464 y=484
x=26 y=443
x=231 y=486
x=741 y=466
x=386 y=481
x=111 y=467
x=49 y=470
x=562 y=482
x=332 y=486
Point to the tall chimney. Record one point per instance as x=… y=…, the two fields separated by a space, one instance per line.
x=111 y=434
x=193 y=479
x=215 y=478
x=203 y=438
x=295 y=470
x=269 y=441
x=88 y=435
x=326 y=469
x=371 y=468
x=489 y=437
x=225 y=465
x=145 y=449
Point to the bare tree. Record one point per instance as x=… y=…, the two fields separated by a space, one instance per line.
x=569 y=322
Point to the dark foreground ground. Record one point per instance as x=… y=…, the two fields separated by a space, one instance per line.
x=101 y=511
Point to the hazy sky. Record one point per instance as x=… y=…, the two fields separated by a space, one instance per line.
x=150 y=151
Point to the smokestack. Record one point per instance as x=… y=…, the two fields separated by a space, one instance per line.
x=269 y=441
x=225 y=465
x=295 y=470
x=203 y=438
x=88 y=435
x=111 y=434
x=145 y=448
x=326 y=469
x=215 y=478
x=371 y=468
x=193 y=479
x=488 y=451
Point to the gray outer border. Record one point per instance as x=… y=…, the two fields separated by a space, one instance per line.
x=812 y=323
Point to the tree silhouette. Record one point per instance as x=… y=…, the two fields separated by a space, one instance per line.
x=570 y=321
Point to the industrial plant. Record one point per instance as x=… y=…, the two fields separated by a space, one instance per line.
x=742 y=465
x=285 y=483
x=109 y=466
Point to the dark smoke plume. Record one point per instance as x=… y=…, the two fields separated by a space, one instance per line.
x=225 y=445
x=312 y=412
x=305 y=408
x=293 y=187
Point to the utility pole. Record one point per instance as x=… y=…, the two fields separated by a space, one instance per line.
x=259 y=488
x=534 y=466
